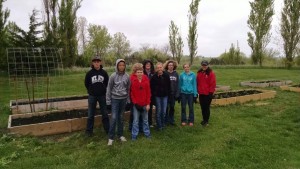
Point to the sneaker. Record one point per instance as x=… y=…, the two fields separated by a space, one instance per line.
x=133 y=138
x=123 y=139
x=191 y=124
x=110 y=142
x=202 y=122
x=148 y=137
x=205 y=124
x=151 y=126
x=183 y=124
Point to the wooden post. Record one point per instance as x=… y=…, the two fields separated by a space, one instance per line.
x=28 y=94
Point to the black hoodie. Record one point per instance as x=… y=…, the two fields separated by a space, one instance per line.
x=96 y=82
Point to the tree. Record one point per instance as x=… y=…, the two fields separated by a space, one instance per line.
x=4 y=14
x=82 y=25
x=290 y=29
x=175 y=41
x=120 y=46
x=68 y=30
x=192 y=35
x=259 y=23
x=51 y=32
x=99 y=40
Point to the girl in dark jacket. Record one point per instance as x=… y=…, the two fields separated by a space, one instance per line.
x=206 y=84
x=160 y=90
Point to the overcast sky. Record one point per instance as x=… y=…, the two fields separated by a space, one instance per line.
x=220 y=22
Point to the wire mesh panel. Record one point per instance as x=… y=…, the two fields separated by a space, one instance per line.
x=35 y=74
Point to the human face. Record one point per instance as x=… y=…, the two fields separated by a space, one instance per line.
x=186 y=68
x=148 y=66
x=159 y=69
x=139 y=74
x=121 y=66
x=96 y=64
x=170 y=66
x=204 y=67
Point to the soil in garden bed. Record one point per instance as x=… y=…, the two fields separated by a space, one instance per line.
x=55 y=116
x=235 y=94
x=298 y=85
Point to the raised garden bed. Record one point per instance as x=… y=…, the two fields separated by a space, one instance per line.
x=38 y=105
x=265 y=83
x=294 y=88
x=54 y=122
x=222 y=88
x=241 y=96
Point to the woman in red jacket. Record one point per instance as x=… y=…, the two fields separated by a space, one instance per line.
x=206 y=84
x=140 y=97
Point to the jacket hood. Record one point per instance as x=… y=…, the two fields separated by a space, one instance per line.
x=151 y=63
x=117 y=62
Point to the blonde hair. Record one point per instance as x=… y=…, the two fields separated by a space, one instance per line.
x=136 y=67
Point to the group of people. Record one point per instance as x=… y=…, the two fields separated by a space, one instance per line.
x=147 y=86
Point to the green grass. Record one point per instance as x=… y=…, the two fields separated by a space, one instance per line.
x=249 y=135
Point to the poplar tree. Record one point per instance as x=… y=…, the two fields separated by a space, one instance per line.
x=259 y=22
x=290 y=29
x=192 y=35
x=175 y=42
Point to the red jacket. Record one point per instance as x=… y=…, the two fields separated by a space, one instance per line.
x=206 y=83
x=140 y=92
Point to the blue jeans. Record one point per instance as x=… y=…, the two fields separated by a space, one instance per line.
x=92 y=103
x=187 y=98
x=135 y=126
x=161 y=108
x=117 y=112
x=170 y=110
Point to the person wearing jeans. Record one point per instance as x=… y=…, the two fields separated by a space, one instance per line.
x=160 y=89
x=206 y=85
x=170 y=68
x=140 y=97
x=117 y=96
x=188 y=89
x=96 y=81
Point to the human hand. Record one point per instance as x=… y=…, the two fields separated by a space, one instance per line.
x=195 y=99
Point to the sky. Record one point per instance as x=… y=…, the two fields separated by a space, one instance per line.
x=220 y=22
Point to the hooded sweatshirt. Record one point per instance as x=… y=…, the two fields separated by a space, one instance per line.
x=96 y=82
x=174 y=80
x=188 y=83
x=118 y=85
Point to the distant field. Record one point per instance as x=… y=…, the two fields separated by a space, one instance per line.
x=262 y=134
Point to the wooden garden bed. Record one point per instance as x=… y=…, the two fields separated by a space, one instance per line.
x=266 y=83
x=293 y=88
x=222 y=88
x=38 y=105
x=241 y=96
x=54 y=122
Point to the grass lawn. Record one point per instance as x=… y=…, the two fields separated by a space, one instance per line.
x=262 y=134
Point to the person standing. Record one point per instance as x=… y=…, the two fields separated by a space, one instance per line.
x=117 y=96
x=188 y=89
x=149 y=71
x=96 y=83
x=160 y=89
x=140 y=97
x=206 y=85
x=170 y=68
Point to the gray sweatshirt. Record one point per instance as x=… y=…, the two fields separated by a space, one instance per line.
x=118 y=85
